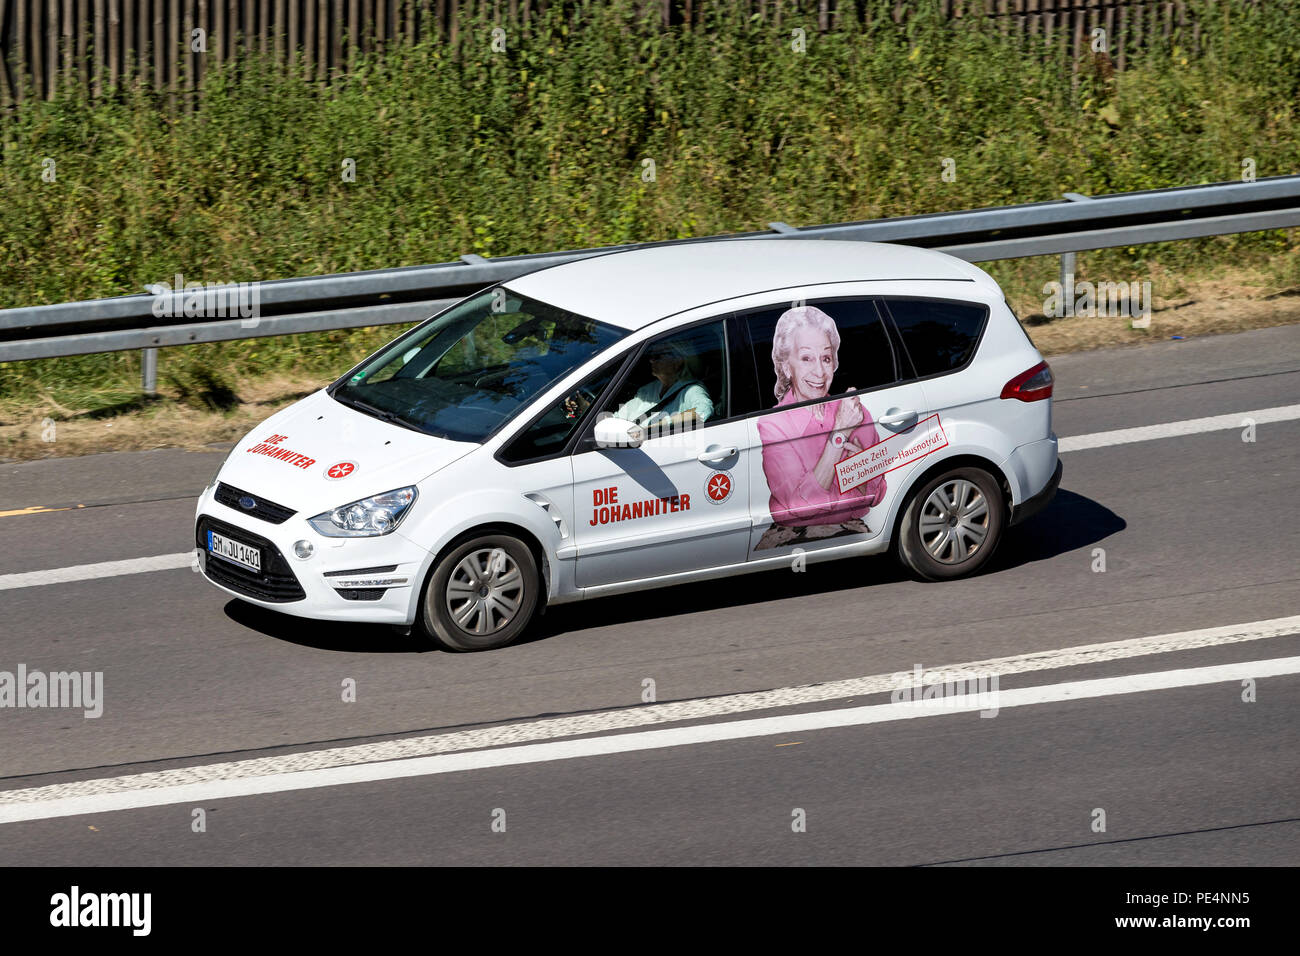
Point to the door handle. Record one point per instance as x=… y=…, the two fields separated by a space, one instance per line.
x=899 y=419
x=715 y=453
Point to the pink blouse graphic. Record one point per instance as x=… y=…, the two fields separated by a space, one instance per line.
x=801 y=447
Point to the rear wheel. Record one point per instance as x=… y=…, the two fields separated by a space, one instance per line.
x=952 y=525
x=482 y=594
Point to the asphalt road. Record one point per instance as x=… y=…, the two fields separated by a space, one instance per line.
x=1197 y=531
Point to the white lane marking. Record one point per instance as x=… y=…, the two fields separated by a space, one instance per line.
x=1120 y=436
x=105 y=569
x=642 y=740
x=643 y=716
x=1190 y=426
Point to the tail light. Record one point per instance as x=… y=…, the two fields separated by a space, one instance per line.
x=1032 y=385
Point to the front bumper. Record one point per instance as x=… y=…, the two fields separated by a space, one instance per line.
x=371 y=580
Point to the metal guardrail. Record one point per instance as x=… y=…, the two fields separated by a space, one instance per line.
x=411 y=294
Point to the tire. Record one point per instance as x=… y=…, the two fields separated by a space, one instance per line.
x=482 y=594
x=939 y=543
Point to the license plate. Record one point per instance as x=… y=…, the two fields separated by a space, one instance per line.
x=242 y=554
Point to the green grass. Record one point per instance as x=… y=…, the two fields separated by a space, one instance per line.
x=459 y=149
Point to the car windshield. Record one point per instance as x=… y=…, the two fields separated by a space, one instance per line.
x=466 y=372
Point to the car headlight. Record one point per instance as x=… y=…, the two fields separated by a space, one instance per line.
x=376 y=515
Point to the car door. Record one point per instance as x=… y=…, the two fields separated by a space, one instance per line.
x=539 y=454
x=841 y=426
x=679 y=502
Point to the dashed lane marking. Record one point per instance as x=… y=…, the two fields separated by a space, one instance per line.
x=1189 y=426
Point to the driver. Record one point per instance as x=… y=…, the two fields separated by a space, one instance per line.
x=673 y=400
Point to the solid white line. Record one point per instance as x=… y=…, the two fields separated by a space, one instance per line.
x=643 y=740
x=1190 y=426
x=105 y=569
x=648 y=715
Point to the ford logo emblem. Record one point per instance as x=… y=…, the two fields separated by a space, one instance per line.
x=247 y=503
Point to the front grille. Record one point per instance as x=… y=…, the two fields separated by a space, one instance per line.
x=229 y=496
x=276 y=582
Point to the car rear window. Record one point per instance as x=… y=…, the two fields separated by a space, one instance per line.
x=940 y=336
x=863 y=354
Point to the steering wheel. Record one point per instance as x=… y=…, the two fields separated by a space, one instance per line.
x=587 y=395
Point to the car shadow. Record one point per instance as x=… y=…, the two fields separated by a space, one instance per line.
x=343 y=636
x=736 y=591
x=1070 y=522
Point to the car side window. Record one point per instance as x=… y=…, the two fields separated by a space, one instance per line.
x=939 y=336
x=823 y=348
x=678 y=382
x=550 y=432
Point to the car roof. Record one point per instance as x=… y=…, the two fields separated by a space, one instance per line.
x=635 y=287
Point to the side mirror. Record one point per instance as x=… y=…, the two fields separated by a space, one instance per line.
x=614 y=432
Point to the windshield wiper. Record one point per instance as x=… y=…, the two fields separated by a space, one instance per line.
x=382 y=414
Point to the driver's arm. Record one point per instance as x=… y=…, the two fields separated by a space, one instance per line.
x=683 y=421
x=700 y=405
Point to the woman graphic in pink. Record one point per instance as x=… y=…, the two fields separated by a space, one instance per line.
x=801 y=447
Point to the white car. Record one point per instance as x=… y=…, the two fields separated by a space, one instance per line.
x=639 y=419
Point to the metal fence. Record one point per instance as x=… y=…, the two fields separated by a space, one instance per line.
x=407 y=295
x=99 y=43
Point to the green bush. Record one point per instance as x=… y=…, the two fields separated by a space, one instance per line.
x=459 y=149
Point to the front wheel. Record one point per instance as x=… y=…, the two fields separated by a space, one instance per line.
x=952 y=524
x=482 y=594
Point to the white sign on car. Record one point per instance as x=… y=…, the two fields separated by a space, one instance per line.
x=639 y=419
